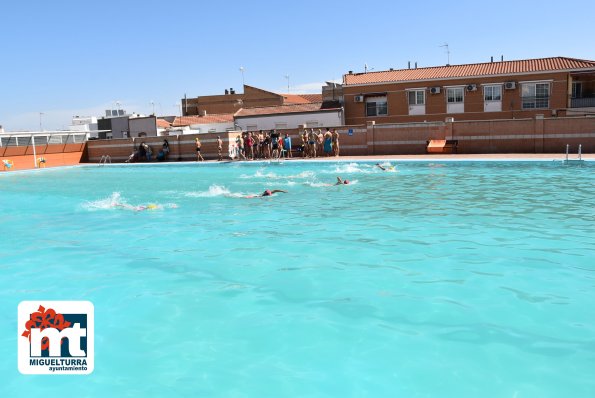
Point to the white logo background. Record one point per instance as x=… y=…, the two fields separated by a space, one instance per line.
x=26 y=308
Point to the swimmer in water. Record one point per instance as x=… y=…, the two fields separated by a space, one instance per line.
x=341 y=182
x=267 y=192
x=384 y=168
x=150 y=206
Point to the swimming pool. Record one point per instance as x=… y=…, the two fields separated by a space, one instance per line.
x=450 y=279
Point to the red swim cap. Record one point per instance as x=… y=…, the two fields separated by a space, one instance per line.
x=267 y=193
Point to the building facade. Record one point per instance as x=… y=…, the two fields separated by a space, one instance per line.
x=494 y=90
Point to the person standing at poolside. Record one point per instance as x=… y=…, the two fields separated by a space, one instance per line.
x=287 y=144
x=199 y=157
x=165 y=149
x=219 y=148
x=335 y=135
x=320 y=139
x=266 y=146
x=242 y=147
x=312 y=143
x=249 y=149
x=304 y=137
x=328 y=143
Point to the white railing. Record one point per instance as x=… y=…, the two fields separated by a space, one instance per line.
x=105 y=159
x=27 y=139
x=578 y=160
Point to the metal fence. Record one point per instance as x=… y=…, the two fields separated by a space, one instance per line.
x=585 y=102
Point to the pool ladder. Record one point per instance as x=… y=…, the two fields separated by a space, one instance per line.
x=105 y=159
x=579 y=160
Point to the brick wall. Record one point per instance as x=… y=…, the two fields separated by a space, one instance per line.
x=531 y=135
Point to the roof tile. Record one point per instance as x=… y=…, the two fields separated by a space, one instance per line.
x=470 y=70
x=281 y=109
x=207 y=119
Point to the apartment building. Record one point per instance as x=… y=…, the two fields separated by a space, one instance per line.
x=557 y=86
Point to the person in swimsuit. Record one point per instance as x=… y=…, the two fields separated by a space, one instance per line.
x=312 y=143
x=328 y=143
x=384 y=168
x=249 y=150
x=341 y=182
x=267 y=192
x=335 y=135
x=219 y=148
x=198 y=146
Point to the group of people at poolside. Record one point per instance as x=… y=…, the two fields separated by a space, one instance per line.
x=144 y=152
x=253 y=145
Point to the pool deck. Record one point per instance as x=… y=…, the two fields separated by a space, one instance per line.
x=474 y=156
x=440 y=158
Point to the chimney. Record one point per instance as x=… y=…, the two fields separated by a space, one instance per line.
x=502 y=58
x=415 y=64
x=226 y=91
x=391 y=69
x=351 y=72
x=408 y=64
x=492 y=59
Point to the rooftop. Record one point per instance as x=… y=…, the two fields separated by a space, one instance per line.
x=301 y=98
x=471 y=70
x=282 y=109
x=207 y=119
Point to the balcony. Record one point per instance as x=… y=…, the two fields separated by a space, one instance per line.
x=583 y=102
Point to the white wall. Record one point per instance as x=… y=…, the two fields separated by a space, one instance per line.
x=324 y=119
x=218 y=127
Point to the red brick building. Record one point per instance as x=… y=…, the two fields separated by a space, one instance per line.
x=495 y=90
x=252 y=97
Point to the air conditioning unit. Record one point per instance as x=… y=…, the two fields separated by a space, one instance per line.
x=435 y=90
x=510 y=85
x=359 y=98
x=471 y=87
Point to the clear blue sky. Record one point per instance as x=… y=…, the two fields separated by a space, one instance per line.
x=66 y=58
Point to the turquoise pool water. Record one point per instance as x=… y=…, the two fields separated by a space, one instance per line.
x=454 y=279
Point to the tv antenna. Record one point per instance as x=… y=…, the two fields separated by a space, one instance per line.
x=242 y=72
x=287 y=77
x=447 y=53
x=366 y=69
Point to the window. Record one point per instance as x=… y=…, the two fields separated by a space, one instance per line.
x=492 y=93
x=577 y=90
x=281 y=126
x=416 y=97
x=535 y=95
x=312 y=123
x=376 y=106
x=454 y=95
